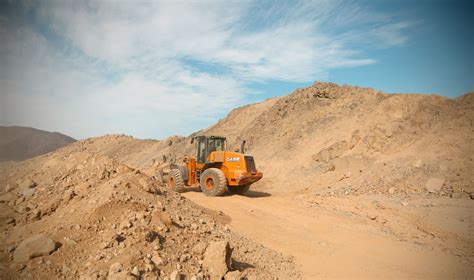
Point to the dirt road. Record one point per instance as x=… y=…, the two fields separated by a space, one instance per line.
x=358 y=237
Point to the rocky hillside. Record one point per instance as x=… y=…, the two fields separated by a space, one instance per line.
x=361 y=140
x=20 y=143
x=337 y=139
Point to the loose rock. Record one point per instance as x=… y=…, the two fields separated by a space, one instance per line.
x=27 y=184
x=456 y=195
x=233 y=275
x=135 y=272
x=200 y=248
x=434 y=185
x=27 y=192
x=34 y=246
x=217 y=259
x=115 y=268
x=418 y=163
x=157 y=260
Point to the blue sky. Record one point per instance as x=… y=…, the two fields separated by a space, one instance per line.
x=153 y=69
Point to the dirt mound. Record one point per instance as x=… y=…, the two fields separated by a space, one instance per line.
x=20 y=143
x=110 y=220
x=334 y=140
x=343 y=137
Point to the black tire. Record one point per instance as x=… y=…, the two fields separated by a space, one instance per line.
x=175 y=181
x=213 y=182
x=239 y=189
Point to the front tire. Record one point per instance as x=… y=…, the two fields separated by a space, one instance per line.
x=175 y=181
x=239 y=189
x=213 y=182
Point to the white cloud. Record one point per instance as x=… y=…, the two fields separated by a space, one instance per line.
x=157 y=68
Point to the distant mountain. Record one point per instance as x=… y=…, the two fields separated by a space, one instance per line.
x=21 y=143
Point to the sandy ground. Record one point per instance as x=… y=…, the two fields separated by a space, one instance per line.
x=332 y=238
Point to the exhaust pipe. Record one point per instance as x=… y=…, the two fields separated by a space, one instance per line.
x=242 y=147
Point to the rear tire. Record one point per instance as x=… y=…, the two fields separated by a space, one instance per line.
x=175 y=181
x=213 y=182
x=239 y=189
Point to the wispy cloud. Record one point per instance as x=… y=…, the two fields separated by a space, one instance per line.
x=157 y=68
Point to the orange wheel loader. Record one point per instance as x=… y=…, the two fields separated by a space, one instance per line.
x=214 y=169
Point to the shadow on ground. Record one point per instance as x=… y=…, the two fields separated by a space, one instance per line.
x=241 y=265
x=255 y=194
x=249 y=193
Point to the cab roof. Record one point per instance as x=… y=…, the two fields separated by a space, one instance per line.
x=210 y=137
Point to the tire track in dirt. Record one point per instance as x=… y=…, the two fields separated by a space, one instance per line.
x=328 y=244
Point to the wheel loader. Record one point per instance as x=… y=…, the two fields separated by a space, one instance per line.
x=214 y=169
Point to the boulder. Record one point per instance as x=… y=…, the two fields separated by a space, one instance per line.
x=331 y=152
x=27 y=192
x=456 y=195
x=34 y=246
x=337 y=149
x=135 y=272
x=443 y=167
x=157 y=260
x=27 y=184
x=122 y=169
x=200 y=248
x=115 y=268
x=68 y=195
x=418 y=163
x=125 y=224
x=161 y=219
x=234 y=275
x=146 y=186
x=433 y=185
x=217 y=259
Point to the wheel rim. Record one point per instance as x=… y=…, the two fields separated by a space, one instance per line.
x=171 y=183
x=209 y=183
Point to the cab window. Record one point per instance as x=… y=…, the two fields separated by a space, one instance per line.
x=219 y=145
x=216 y=145
x=201 y=151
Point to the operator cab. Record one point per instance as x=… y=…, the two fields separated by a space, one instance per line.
x=207 y=145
